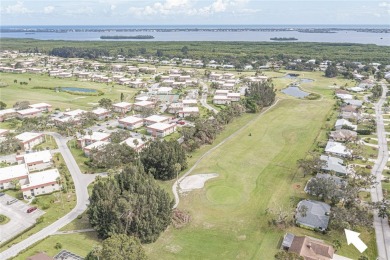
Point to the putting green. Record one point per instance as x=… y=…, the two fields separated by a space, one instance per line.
x=223 y=195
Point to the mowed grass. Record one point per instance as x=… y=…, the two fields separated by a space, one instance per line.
x=15 y=92
x=256 y=173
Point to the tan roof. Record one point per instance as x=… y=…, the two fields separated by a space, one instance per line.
x=311 y=249
x=40 y=256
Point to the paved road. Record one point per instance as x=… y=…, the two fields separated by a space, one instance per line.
x=176 y=184
x=203 y=98
x=382 y=230
x=81 y=181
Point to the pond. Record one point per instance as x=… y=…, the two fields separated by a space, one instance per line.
x=72 y=89
x=291 y=76
x=306 y=80
x=295 y=91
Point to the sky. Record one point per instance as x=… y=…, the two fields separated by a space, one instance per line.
x=176 y=12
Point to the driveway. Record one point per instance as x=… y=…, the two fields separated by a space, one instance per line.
x=19 y=218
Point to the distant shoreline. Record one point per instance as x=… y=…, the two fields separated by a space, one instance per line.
x=122 y=37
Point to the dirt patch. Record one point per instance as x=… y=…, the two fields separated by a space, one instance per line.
x=180 y=218
x=297 y=186
x=193 y=182
x=174 y=248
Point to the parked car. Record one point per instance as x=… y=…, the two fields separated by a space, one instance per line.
x=2 y=194
x=12 y=201
x=181 y=122
x=29 y=210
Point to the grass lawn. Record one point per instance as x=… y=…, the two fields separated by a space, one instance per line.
x=79 y=156
x=386 y=190
x=80 y=244
x=16 y=92
x=256 y=172
x=3 y=219
x=49 y=142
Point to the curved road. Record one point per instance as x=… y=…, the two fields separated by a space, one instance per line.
x=175 y=185
x=203 y=98
x=382 y=230
x=81 y=182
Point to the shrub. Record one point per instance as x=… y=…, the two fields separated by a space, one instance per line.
x=58 y=245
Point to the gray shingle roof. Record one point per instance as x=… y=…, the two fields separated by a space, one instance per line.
x=317 y=214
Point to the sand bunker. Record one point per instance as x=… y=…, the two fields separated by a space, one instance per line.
x=193 y=182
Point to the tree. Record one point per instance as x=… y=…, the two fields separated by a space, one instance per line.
x=2 y=105
x=15 y=183
x=325 y=188
x=21 y=105
x=160 y=158
x=259 y=95
x=311 y=164
x=132 y=190
x=122 y=247
x=105 y=102
x=119 y=136
x=336 y=244
x=331 y=71
x=284 y=255
x=184 y=50
x=122 y=97
x=159 y=53
x=113 y=155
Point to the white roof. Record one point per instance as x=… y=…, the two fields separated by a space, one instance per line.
x=12 y=172
x=44 y=156
x=190 y=109
x=221 y=98
x=7 y=111
x=96 y=136
x=143 y=103
x=234 y=95
x=41 y=178
x=40 y=105
x=3 y=131
x=130 y=119
x=27 y=136
x=100 y=110
x=130 y=142
x=122 y=104
x=143 y=98
x=222 y=91
x=341 y=122
x=164 y=89
x=76 y=112
x=160 y=126
x=156 y=118
x=64 y=119
x=97 y=145
x=28 y=111
x=336 y=148
x=344 y=96
x=190 y=101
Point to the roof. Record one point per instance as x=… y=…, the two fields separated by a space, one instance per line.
x=234 y=95
x=130 y=142
x=317 y=214
x=7 y=111
x=28 y=111
x=221 y=98
x=143 y=103
x=190 y=109
x=340 y=182
x=287 y=240
x=344 y=96
x=98 y=145
x=190 y=101
x=341 y=122
x=27 y=136
x=100 y=110
x=12 y=172
x=353 y=102
x=76 y=112
x=142 y=98
x=40 y=105
x=164 y=89
x=160 y=126
x=157 y=118
x=40 y=178
x=40 y=256
x=343 y=134
x=122 y=104
x=131 y=120
x=44 y=156
x=3 y=131
x=96 y=136
x=333 y=164
x=222 y=91
x=336 y=148
x=311 y=249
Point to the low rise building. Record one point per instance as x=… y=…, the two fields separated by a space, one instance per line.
x=92 y=138
x=316 y=215
x=28 y=113
x=75 y=113
x=155 y=119
x=131 y=122
x=189 y=111
x=234 y=97
x=122 y=107
x=11 y=173
x=161 y=129
x=190 y=102
x=142 y=105
x=28 y=140
x=39 y=183
x=135 y=143
x=221 y=100
x=101 y=113
x=96 y=145
x=36 y=161
x=44 y=107
x=7 y=114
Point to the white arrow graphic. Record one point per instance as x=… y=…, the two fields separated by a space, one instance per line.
x=353 y=237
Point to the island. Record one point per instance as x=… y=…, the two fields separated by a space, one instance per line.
x=121 y=37
x=283 y=39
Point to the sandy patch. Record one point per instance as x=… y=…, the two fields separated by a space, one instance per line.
x=93 y=104
x=193 y=182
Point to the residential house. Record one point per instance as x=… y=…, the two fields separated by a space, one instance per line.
x=333 y=164
x=164 y=90
x=36 y=161
x=136 y=143
x=4 y=132
x=234 y=97
x=337 y=148
x=190 y=102
x=156 y=119
x=315 y=216
x=222 y=92
x=43 y=182
x=343 y=135
x=101 y=113
x=174 y=108
x=44 y=107
x=142 y=105
x=7 y=114
x=131 y=122
x=343 y=122
x=122 y=107
x=28 y=140
x=221 y=100
x=344 y=96
x=92 y=138
x=96 y=145
x=75 y=113
x=339 y=182
x=189 y=111
x=10 y=173
x=354 y=102
x=161 y=129
x=28 y=113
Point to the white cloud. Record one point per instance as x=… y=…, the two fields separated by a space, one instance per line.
x=48 y=9
x=17 y=8
x=85 y=10
x=384 y=4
